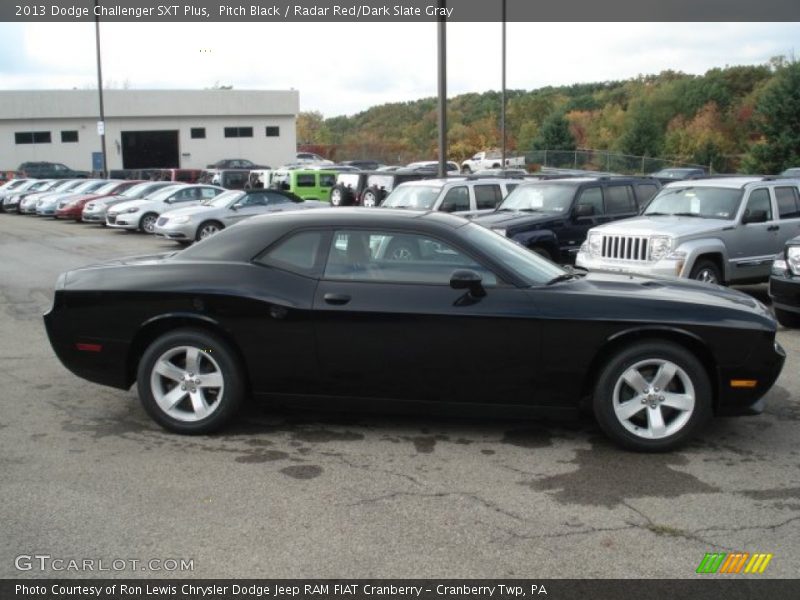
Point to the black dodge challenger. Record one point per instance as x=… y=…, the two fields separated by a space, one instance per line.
x=393 y=307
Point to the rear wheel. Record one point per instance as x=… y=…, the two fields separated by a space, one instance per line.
x=189 y=381
x=465 y=170
x=208 y=229
x=147 y=224
x=652 y=396
x=402 y=249
x=706 y=271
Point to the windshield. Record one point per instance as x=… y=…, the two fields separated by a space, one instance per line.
x=141 y=190
x=107 y=188
x=531 y=268
x=704 y=202
x=89 y=186
x=412 y=196
x=224 y=199
x=536 y=197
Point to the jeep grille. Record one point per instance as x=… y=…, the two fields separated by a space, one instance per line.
x=624 y=247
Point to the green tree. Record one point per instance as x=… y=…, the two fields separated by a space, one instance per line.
x=777 y=114
x=554 y=134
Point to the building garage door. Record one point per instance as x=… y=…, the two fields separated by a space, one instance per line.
x=150 y=149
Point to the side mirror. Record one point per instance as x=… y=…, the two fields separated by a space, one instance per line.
x=466 y=279
x=755 y=216
x=583 y=210
x=448 y=208
x=237 y=206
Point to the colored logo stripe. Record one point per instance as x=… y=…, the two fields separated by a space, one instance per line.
x=721 y=562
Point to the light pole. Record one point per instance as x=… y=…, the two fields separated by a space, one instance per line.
x=442 y=70
x=503 y=94
x=101 y=125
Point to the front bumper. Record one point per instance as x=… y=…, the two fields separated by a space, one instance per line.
x=666 y=267
x=785 y=292
x=123 y=221
x=170 y=231
x=763 y=366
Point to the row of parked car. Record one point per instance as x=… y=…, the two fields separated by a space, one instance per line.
x=715 y=230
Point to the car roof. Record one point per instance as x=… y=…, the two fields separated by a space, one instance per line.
x=718 y=182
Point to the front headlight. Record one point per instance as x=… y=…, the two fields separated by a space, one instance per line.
x=500 y=231
x=594 y=243
x=179 y=220
x=793 y=259
x=133 y=210
x=660 y=245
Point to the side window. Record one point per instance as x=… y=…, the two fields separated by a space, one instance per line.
x=592 y=196
x=183 y=195
x=455 y=199
x=272 y=199
x=327 y=180
x=619 y=199
x=788 y=202
x=645 y=192
x=206 y=193
x=255 y=200
x=297 y=253
x=397 y=258
x=759 y=200
x=306 y=181
x=487 y=196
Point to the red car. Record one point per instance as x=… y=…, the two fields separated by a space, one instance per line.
x=73 y=209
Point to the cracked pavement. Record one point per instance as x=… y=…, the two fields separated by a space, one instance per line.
x=285 y=493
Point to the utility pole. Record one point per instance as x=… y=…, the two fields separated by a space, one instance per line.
x=442 y=44
x=101 y=124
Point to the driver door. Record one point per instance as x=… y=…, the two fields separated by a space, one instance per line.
x=389 y=325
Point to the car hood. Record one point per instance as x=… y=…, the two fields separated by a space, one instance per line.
x=699 y=299
x=123 y=206
x=191 y=210
x=507 y=218
x=665 y=225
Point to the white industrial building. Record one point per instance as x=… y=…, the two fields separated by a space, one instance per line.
x=147 y=128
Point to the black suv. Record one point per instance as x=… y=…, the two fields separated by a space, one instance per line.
x=50 y=170
x=369 y=188
x=552 y=217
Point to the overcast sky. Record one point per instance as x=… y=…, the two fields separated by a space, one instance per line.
x=344 y=68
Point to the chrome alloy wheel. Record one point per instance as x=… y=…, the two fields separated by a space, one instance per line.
x=207 y=230
x=654 y=399
x=707 y=275
x=336 y=197
x=187 y=383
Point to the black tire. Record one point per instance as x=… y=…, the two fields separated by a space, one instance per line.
x=207 y=229
x=147 y=224
x=215 y=358
x=370 y=198
x=787 y=318
x=402 y=249
x=641 y=430
x=342 y=196
x=465 y=170
x=706 y=271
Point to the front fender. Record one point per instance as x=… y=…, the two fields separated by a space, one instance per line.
x=696 y=248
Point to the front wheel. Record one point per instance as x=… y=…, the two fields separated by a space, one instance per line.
x=148 y=223
x=652 y=396
x=190 y=382
x=207 y=229
x=706 y=271
x=369 y=199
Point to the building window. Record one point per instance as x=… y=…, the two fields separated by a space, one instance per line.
x=198 y=133
x=32 y=137
x=69 y=136
x=273 y=131
x=238 y=132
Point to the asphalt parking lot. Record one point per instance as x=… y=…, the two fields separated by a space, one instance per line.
x=87 y=475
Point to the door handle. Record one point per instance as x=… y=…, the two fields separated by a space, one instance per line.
x=337 y=299
x=773 y=228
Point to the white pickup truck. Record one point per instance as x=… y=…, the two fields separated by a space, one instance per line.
x=491 y=159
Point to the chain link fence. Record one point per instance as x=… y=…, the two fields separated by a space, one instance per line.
x=602 y=160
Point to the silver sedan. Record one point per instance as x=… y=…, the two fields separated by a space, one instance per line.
x=186 y=225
